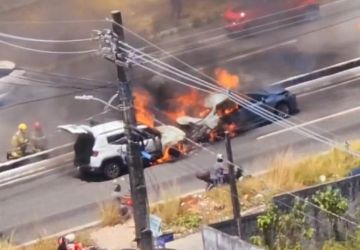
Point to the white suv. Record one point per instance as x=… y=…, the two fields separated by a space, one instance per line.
x=103 y=148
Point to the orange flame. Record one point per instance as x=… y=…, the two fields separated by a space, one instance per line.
x=232 y=129
x=227 y=80
x=182 y=148
x=166 y=157
x=187 y=104
x=142 y=101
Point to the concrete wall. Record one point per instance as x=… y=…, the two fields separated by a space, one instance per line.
x=216 y=240
x=350 y=189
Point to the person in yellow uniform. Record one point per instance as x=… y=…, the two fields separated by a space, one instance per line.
x=20 y=141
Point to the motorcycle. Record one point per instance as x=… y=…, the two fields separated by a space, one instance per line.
x=219 y=181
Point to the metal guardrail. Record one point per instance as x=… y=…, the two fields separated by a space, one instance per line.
x=36 y=157
x=331 y=70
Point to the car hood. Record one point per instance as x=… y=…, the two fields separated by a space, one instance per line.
x=274 y=90
x=170 y=135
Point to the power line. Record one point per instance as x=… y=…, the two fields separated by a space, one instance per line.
x=49 y=51
x=62 y=76
x=271 y=116
x=28 y=39
x=241 y=34
x=260 y=111
x=286 y=192
x=51 y=97
x=54 y=21
x=41 y=83
x=246 y=104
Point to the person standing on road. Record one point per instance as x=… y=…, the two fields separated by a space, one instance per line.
x=20 y=141
x=38 y=138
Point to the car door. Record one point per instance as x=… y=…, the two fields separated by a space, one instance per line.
x=83 y=146
x=116 y=144
x=255 y=109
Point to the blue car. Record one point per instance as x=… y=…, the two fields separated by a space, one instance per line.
x=223 y=114
x=279 y=101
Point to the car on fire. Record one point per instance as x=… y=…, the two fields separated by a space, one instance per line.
x=222 y=114
x=255 y=15
x=102 y=148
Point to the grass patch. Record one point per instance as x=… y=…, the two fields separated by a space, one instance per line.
x=4 y=245
x=47 y=244
x=110 y=215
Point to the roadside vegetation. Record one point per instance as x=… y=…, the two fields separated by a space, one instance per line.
x=183 y=215
x=290 y=228
x=286 y=173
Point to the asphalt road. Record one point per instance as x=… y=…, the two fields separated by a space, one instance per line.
x=258 y=61
x=58 y=200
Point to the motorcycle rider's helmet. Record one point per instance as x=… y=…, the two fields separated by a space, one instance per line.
x=219 y=158
x=70 y=238
x=22 y=127
x=37 y=125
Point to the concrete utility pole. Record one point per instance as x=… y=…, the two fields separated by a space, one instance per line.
x=134 y=161
x=233 y=188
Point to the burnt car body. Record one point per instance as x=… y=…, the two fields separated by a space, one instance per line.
x=225 y=115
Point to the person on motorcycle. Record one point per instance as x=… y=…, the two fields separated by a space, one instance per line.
x=38 y=138
x=214 y=176
x=20 y=141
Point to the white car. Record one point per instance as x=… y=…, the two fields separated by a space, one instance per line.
x=103 y=148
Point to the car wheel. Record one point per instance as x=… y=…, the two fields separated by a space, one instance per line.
x=82 y=173
x=312 y=13
x=112 y=170
x=282 y=110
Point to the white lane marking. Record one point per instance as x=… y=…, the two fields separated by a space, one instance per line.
x=330 y=87
x=331 y=3
x=253 y=53
x=345 y=112
x=260 y=51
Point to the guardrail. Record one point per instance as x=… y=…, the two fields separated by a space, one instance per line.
x=53 y=152
x=331 y=70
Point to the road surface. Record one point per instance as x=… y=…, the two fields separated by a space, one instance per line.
x=57 y=200
x=258 y=60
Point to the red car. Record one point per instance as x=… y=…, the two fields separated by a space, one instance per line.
x=253 y=15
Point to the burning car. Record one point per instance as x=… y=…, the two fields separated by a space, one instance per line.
x=103 y=147
x=222 y=114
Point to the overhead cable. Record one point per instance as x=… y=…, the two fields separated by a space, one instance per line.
x=28 y=39
x=50 y=51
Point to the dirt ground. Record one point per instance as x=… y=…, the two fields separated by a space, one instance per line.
x=116 y=237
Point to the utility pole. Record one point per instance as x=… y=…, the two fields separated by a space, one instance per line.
x=143 y=234
x=233 y=188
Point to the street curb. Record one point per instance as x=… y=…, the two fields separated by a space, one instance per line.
x=61 y=233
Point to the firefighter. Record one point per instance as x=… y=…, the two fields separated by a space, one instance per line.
x=38 y=138
x=20 y=141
